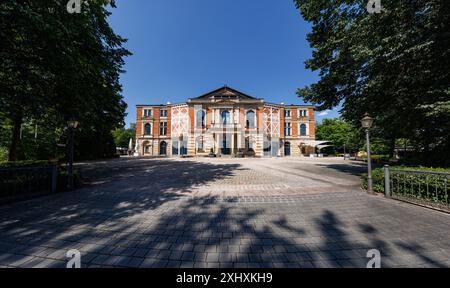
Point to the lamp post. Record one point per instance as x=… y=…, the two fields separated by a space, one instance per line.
x=72 y=125
x=366 y=123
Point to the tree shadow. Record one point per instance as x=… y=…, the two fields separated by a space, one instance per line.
x=352 y=169
x=141 y=220
x=419 y=251
x=133 y=190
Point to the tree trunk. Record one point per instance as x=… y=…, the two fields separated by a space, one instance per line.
x=15 y=137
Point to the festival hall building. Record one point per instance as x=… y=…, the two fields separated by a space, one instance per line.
x=225 y=123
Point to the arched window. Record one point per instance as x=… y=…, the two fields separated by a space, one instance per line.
x=201 y=116
x=163 y=148
x=147 y=129
x=251 y=119
x=303 y=130
x=225 y=117
x=287 y=149
x=147 y=148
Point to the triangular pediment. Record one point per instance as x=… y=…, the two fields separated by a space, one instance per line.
x=225 y=93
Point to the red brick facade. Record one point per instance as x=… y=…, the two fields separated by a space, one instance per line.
x=183 y=135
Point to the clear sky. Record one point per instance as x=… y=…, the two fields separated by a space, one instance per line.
x=185 y=48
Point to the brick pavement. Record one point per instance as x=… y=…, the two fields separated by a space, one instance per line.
x=212 y=213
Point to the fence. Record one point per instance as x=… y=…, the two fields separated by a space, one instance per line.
x=23 y=182
x=420 y=187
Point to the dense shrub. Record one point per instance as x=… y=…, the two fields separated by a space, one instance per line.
x=31 y=178
x=27 y=163
x=429 y=187
x=3 y=153
x=377 y=180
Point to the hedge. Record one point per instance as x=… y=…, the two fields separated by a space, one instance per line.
x=23 y=183
x=412 y=185
x=27 y=163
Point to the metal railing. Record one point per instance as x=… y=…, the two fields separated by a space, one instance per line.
x=23 y=182
x=423 y=187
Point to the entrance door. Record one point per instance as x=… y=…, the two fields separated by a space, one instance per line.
x=267 y=148
x=226 y=150
x=163 y=148
x=287 y=149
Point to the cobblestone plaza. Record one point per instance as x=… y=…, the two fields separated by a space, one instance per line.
x=280 y=212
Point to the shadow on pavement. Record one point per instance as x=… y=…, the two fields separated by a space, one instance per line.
x=139 y=220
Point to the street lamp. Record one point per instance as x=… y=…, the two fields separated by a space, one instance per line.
x=366 y=123
x=72 y=125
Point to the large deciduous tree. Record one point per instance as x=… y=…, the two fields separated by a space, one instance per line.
x=55 y=66
x=394 y=65
x=339 y=132
x=122 y=136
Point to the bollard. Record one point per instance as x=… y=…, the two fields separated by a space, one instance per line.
x=387 y=182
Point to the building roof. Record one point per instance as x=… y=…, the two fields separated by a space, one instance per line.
x=221 y=92
x=225 y=91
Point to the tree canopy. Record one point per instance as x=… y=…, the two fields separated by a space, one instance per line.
x=339 y=132
x=394 y=65
x=56 y=66
x=122 y=136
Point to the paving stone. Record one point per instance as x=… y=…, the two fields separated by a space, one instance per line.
x=200 y=265
x=289 y=212
x=212 y=257
x=188 y=256
x=173 y=264
x=149 y=263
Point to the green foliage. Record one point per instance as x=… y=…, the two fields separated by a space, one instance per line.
x=25 y=163
x=378 y=147
x=55 y=66
x=3 y=153
x=377 y=179
x=338 y=132
x=394 y=65
x=413 y=185
x=122 y=136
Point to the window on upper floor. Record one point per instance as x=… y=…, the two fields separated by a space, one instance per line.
x=225 y=115
x=147 y=112
x=163 y=128
x=148 y=129
x=250 y=122
x=303 y=130
x=303 y=113
x=288 y=129
x=163 y=113
x=201 y=119
x=287 y=113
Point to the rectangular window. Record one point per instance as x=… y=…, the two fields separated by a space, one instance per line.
x=200 y=119
x=303 y=113
x=163 y=113
x=287 y=113
x=147 y=112
x=163 y=128
x=287 y=129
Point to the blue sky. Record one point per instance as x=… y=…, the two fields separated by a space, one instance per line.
x=185 y=48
